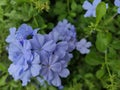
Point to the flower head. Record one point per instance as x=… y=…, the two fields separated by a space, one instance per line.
x=91 y=8
x=64 y=31
x=82 y=46
x=25 y=70
x=53 y=68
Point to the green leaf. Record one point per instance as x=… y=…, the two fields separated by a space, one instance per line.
x=74 y=6
x=2 y=67
x=116 y=44
x=1 y=14
x=115 y=65
x=3 y=80
x=112 y=53
x=103 y=41
x=100 y=11
x=100 y=73
x=93 y=58
x=3 y=2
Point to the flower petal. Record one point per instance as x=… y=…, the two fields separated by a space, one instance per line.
x=56 y=67
x=118 y=10
x=49 y=46
x=35 y=70
x=117 y=3
x=96 y=2
x=56 y=81
x=64 y=73
x=86 y=5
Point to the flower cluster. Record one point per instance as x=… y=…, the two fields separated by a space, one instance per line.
x=44 y=57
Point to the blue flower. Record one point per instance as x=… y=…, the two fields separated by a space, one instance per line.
x=25 y=63
x=42 y=46
x=64 y=31
x=21 y=34
x=117 y=3
x=52 y=69
x=18 y=52
x=83 y=46
x=91 y=8
x=24 y=31
x=19 y=71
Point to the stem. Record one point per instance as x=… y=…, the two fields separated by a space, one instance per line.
x=109 y=20
x=68 y=7
x=35 y=21
x=108 y=69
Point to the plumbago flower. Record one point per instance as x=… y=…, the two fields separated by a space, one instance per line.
x=83 y=46
x=66 y=32
x=117 y=3
x=44 y=57
x=91 y=8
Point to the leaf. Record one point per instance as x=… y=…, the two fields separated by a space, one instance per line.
x=3 y=80
x=74 y=5
x=115 y=65
x=3 y=2
x=2 y=67
x=100 y=11
x=100 y=73
x=103 y=41
x=116 y=44
x=1 y=14
x=93 y=58
x=112 y=53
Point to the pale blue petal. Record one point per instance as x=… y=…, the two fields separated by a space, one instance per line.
x=64 y=73
x=87 y=5
x=36 y=59
x=15 y=71
x=118 y=10
x=84 y=51
x=40 y=39
x=96 y=2
x=88 y=44
x=56 y=81
x=88 y=13
x=49 y=46
x=50 y=75
x=35 y=70
x=56 y=67
x=27 y=45
x=25 y=77
x=53 y=59
x=117 y=3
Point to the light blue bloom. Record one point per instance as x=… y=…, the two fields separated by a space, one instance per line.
x=52 y=69
x=117 y=3
x=21 y=34
x=24 y=31
x=18 y=52
x=91 y=8
x=64 y=31
x=42 y=46
x=19 y=71
x=83 y=46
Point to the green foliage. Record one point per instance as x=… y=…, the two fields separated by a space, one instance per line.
x=98 y=70
x=103 y=41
